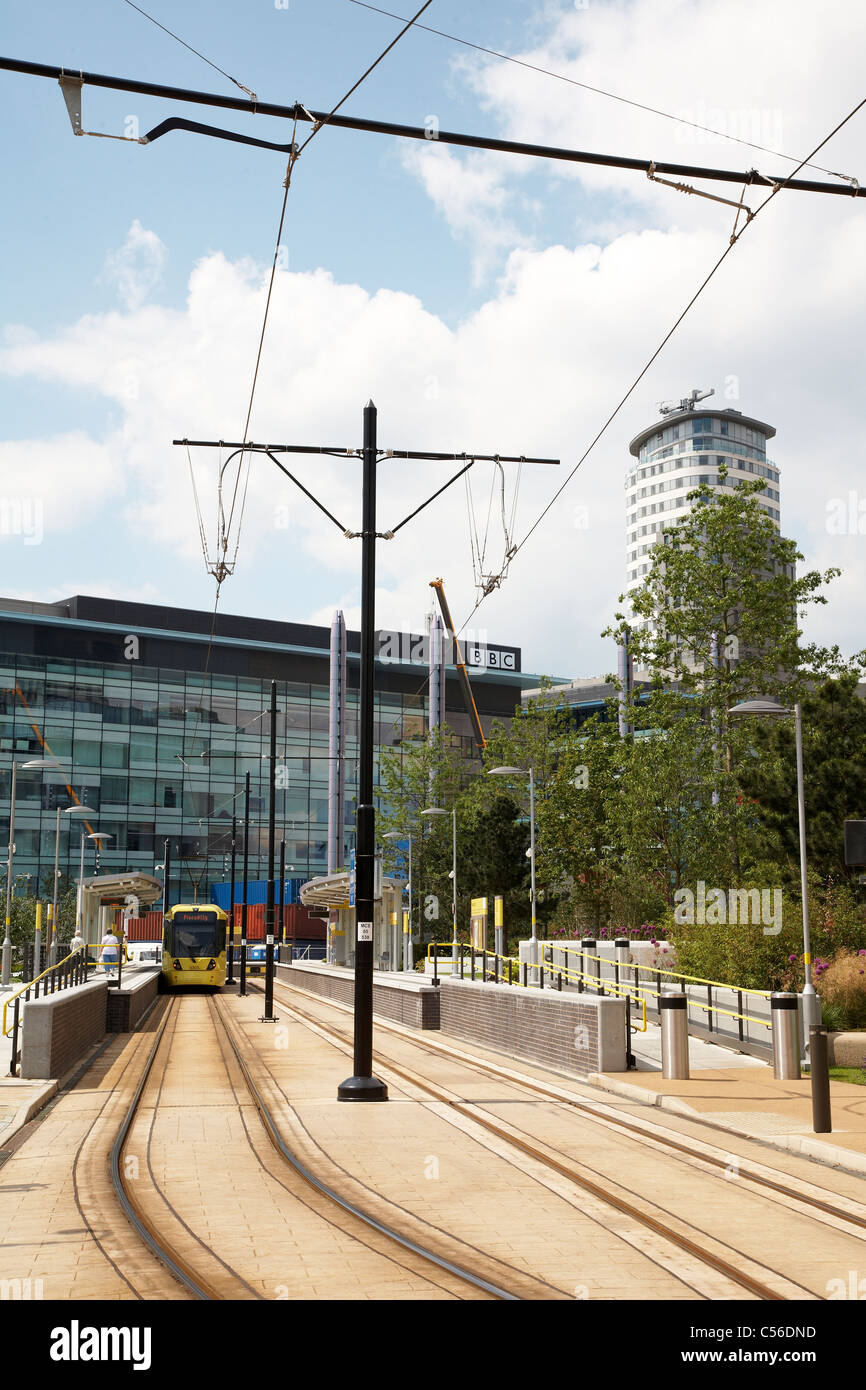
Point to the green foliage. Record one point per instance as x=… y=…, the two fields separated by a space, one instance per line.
x=691 y=795
x=745 y=955
x=718 y=609
x=22 y=913
x=426 y=773
x=834 y=765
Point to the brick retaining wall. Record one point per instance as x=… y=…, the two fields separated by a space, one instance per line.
x=59 y=1029
x=407 y=1001
x=127 y=1006
x=578 y=1033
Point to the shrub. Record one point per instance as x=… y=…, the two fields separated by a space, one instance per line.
x=842 y=986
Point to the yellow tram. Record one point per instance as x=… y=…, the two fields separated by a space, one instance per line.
x=194 y=945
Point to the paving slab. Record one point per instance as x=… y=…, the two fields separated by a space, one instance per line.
x=754 y=1104
x=474 y=1185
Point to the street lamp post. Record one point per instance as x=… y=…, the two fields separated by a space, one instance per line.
x=269 y=904
x=440 y=811
x=77 y=810
x=32 y=763
x=99 y=837
x=521 y=772
x=230 y=977
x=406 y=955
x=281 y=924
x=811 y=1002
x=243 y=984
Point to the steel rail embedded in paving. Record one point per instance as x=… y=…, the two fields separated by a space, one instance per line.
x=589 y=1108
x=301 y=1168
x=755 y=1286
x=142 y=1224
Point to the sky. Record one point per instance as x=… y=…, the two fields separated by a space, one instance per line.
x=485 y=302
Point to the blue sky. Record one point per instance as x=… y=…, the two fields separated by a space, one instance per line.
x=483 y=301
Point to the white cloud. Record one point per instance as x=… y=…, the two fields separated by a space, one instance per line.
x=535 y=370
x=52 y=486
x=778 y=75
x=471 y=196
x=136 y=267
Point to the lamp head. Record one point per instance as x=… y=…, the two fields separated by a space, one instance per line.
x=760 y=706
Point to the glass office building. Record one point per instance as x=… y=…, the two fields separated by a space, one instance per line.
x=156 y=721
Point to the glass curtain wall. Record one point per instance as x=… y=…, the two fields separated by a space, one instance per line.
x=162 y=754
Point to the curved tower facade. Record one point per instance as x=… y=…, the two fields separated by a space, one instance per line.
x=684 y=448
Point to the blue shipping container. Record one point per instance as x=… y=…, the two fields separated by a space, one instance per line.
x=257 y=892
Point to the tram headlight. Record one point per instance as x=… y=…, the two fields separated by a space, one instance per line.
x=211 y=965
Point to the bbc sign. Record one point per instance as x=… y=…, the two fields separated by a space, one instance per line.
x=493 y=658
x=407 y=648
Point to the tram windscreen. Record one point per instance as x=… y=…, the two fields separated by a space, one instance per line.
x=196 y=934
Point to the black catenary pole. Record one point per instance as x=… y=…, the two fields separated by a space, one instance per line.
x=281 y=927
x=166 y=869
x=268 y=1016
x=243 y=988
x=230 y=977
x=363 y=1085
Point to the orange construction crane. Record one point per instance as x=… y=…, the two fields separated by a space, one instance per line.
x=462 y=674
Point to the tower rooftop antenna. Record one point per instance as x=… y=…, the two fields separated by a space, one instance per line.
x=687 y=403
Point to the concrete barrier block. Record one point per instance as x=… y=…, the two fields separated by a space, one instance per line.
x=848 y=1049
x=578 y=1033
x=58 y=1029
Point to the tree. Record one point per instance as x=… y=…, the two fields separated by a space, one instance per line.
x=834 y=764
x=534 y=739
x=22 y=928
x=717 y=623
x=675 y=807
x=417 y=774
x=718 y=611
x=578 y=850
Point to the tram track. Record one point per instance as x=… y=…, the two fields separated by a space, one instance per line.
x=160 y=1221
x=750 y=1275
x=522 y=1286
x=225 y=1282
x=852 y=1214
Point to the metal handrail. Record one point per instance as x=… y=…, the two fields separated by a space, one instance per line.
x=640 y=988
x=674 y=975
x=25 y=989
x=619 y=991
x=613 y=987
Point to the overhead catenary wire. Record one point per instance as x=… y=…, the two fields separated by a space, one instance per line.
x=600 y=91
x=251 y=94
x=733 y=241
x=295 y=153
x=300 y=112
x=407 y=25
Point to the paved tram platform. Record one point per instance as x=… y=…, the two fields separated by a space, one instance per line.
x=557 y=1187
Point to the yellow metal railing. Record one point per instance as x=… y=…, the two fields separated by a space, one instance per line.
x=96 y=947
x=617 y=989
x=656 y=970
x=637 y=990
x=641 y=988
x=32 y=983
x=609 y=986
